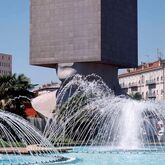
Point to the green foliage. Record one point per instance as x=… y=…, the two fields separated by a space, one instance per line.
x=74 y=110
x=75 y=103
x=137 y=96
x=12 y=87
x=4 y=143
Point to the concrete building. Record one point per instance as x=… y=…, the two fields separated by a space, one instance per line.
x=84 y=36
x=5 y=64
x=147 y=79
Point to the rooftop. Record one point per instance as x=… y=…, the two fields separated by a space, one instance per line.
x=144 y=67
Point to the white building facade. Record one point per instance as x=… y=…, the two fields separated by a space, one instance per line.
x=147 y=79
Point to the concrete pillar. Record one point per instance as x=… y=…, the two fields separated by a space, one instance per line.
x=108 y=73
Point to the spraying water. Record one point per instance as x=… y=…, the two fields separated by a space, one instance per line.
x=88 y=113
x=18 y=138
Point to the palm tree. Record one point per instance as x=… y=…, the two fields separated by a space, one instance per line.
x=12 y=87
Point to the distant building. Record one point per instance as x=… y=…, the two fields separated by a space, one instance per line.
x=147 y=79
x=46 y=88
x=5 y=64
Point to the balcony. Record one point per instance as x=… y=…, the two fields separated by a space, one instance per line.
x=150 y=82
x=151 y=95
x=124 y=86
x=133 y=85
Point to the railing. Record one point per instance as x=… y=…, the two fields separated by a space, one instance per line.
x=123 y=86
x=150 y=82
x=151 y=95
x=131 y=85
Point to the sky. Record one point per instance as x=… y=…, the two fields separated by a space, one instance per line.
x=14 y=40
x=151 y=29
x=14 y=36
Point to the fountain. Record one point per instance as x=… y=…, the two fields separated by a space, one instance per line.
x=103 y=128
x=85 y=37
x=98 y=126
x=21 y=143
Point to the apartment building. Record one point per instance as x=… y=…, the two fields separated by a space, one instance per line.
x=147 y=79
x=5 y=64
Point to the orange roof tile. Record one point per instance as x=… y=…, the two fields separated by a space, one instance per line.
x=143 y=68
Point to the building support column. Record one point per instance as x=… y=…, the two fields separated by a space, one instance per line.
x=108 y=73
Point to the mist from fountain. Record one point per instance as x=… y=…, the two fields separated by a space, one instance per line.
x=88 y=113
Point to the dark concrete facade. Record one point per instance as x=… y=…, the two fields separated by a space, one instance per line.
x=119 y=32
x=65 y=31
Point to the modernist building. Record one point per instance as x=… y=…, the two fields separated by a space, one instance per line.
x=5 y=64
x=98 y=36
x=147 y=79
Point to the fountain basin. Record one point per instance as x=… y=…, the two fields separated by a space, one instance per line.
x=33 y=160
x=103 y=156
x=90 y=155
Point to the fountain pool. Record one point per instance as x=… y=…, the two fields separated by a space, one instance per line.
x=33 y=160
x=117 y=158
x=93 y=158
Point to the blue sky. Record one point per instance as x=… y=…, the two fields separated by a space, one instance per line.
x=151 y=29
x=14 y=39
x=14 y=35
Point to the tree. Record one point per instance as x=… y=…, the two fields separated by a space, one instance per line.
x=137 y=96
x=14 y=86
x=14 y=91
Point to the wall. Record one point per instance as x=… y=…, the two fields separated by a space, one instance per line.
x=102 y=31
x=5 y=64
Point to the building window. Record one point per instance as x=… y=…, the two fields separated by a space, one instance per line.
x=162 y=91
x=142 y=94
x=142 y=79
x=157 y=78
x=161 y=77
